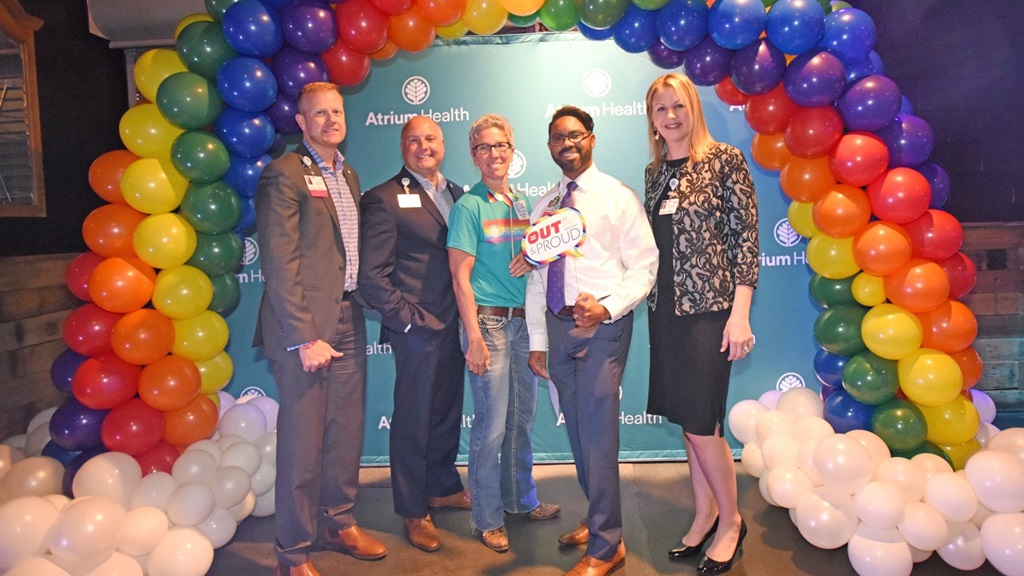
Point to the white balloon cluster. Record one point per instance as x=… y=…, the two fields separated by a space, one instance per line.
x=846 y=489
x=123 y=524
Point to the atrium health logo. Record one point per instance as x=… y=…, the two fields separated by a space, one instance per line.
x=790 y=380
x=518 y=166
x=785 y=235
x=416 y=90
x=597 y=83
x=250 y=251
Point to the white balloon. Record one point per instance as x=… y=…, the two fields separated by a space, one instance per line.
x=981 y=515
x=36 y=440
x=37 y=566
x=1002 y=541
x=267 y=444
x=930 y=464
x=59 y=501
x=812 y=429
x=243 y=510
x=226 y=402
x=24 y=523
x=952 y=496
x=762 y=486
x=787 y=484
x=153 y=490
x=244 y=455
x=33 y=476
x=245 y=420
x=1010 y=441
x=752 y=460
x=800 y=402
x=111 y=474
x=826 y=517
x=743 y=419
x=875 y=446
x=920 y=555
x=182 y=552
x=40 y=419
x=880 y=552
x=805 y=461
x=87 y=530
x=207 y=445
x=905 y=476
x=923 y=526
x=145 y=527
x=985 y=405
x=997 y=479
x=269 y=407
x=190 y=504
x=772 y=422
x=230 y=485
x=9 y=456
x=264 y=478
x=219 y=528
x=770 y=399
x=963 y=548
x=264 y=505
x=879 y=505
x=985 y=432
x=117 y=565
x=225 y=441
x=779 y=450
x=194 y=466
x=16 y=441
x=843 y=463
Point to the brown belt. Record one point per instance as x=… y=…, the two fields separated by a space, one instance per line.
x=567 y=311
x=503 y=311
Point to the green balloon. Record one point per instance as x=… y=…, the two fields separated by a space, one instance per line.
x=188 y=100
x=203 y=48
x=559 y=15
x=211 y=208
x=926 y=447
x=216 y=8
x=768 y=3
x=226 y=294
x=524 y=21
x=601 y=14
x=827 y=292
x=900 y=425
x=837 y=330
x=870 y=379
x=217 y=254
x=653 y=4
x=200 y=156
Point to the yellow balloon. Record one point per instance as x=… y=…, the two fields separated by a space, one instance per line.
x=831 y=257
x=146 y=133
x=191 y=18
x=165 y=240
x=522 y=7
x=200 y=338
x=891 y=332
x=801 y=219
x=484 y=17
x=182 y=292
x=153 y=186
x=457 y=30
x=961 y=452
x=930 y=378
x=868 y=290
x=153 y=67
x=215 y=373
x=953 y=423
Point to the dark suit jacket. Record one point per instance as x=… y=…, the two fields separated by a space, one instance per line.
x=302 y=255
x=403 y=259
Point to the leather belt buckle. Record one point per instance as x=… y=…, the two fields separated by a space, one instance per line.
x=566 y=311
x=503 y=311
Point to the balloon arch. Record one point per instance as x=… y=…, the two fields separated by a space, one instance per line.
x=147 y=358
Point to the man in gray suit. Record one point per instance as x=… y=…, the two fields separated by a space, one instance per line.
x=312 y=328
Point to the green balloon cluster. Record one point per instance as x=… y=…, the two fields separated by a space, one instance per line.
x=200 y=156
x=559 y=15
x=188 y=100
x=217 y=254
x=870 y=379
x=211 y=208
x=226 y=294
x=203 y=48
x=601 y=14
x=837 y=330
x=828 y=292
x=900 y=424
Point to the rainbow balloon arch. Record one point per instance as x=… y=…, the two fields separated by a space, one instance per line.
x=868 y=463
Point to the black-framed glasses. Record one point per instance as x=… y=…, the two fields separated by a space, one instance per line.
x=485 y=149
x=574 y=137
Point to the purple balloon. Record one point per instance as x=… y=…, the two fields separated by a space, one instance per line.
x=665 y=57
x=910 y=140
x=282 y=114
x=64 y=367
x=845 y=414
x=309 y=26
x=939 y=180
x=708 y=63
x=866 y=67
x=295 y=69
x=813 y=79
x=829 y=368
x=245 y=134
x=593 y=33
x=253 y=29
x=682 y=24
x=850 y=34
x=827 y=391
x=76 y=427
x=53 y=450
x=906 y=106
x=636 y=31
x=758 y=68
x=869 y=104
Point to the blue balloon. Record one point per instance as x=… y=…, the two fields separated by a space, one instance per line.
x=708 y=63
x=910 y=140
x=939 y=180
x=247 y=84
x=76 y=427
x=244 y=173
x=593 y=33
x=53 y=450
x=845 y=414
x=309 y=26
x=282 y=114
x=869 y=104
x=64 y=367
x=637 y=30
x=277 y=5
x=72 y=468
x=829 y=368
x=246 y=134
x=682 y=24
x=665 y=57
x=814 y=79
x=906 y=106
x=866 y=67
x=850 y=34
x=735 y=23
x=758 y=68
x=295 y=69
x=248 y=221
x=253 y=29
x=796 y=26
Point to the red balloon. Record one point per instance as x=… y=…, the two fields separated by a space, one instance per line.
x=142 y=337
x=393 y=7
x=159 y=458
x=110 y=230
x=962 y=274
x=771 y=112
x=970 y=365
x=936 y=235
x=361 y=26
x=813 y=132
x=859 y=158
x=133 y=428
x=78 y=272
x=410 y=31
x=900 y=195
x=728 y=93
x=806 y=180
x=842 y=211
x=170 y=383
x=949 y=328
x=196 y=421
x=105 y=381
x=442 y=12
x=918 y=286
x=105 y=174
x=881 y=248
x=87 y=330
x=119 y=286
x=345 y=66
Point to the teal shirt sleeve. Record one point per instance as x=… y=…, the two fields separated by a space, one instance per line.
x=463 y=226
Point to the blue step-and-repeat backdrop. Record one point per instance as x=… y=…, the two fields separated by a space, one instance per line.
x=526 y=78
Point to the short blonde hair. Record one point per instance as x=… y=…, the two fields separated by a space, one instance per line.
x=313 y=88
x=491 y=121
x=700 y=139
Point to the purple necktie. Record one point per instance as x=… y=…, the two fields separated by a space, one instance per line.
x=556 y=270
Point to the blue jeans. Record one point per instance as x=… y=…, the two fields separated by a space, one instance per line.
x=504 y=404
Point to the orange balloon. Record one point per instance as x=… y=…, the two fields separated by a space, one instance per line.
x=769 y=151
x=806 y=180
x=842 y=211
x=170 y=383
x=918 y=286
x=105 y=174
x=142 y=337
x=970 y=365
x=196 y=421
x=950 y=328
x=410 y=31
x=117 y=286
x=859 y=158
x=442 y=12
x=881 y=248
x=386 y=52
x=110 y=230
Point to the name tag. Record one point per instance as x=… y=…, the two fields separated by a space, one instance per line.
x=409 y=201
x=668 y=206
x=317 y=186
x=521 y=212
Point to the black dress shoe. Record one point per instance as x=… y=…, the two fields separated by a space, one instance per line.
x=685 y=550
x=709 y=567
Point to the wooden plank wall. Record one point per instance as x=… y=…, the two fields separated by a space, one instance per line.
x=34 y=302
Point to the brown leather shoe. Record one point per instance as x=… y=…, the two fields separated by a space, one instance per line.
x=496 y=539
x=460 y=500
x=354 y=542
x=544 y=511
x=304 y=569
x=422 y=533
x=590 y=566
x=578 y=535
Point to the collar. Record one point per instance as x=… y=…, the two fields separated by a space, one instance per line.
x=338 y=158
x=442 y=184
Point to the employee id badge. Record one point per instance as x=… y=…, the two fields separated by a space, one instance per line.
x=520 y=206
x=669 y=206
x=317 y=186
x=409 y=201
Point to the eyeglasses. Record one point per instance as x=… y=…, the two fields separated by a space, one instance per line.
x=485 y=149
x=574 y=137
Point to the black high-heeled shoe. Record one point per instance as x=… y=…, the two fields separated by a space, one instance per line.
x=709 y=567
x=685 y=550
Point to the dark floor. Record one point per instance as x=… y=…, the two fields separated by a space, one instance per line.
x=656 y=505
